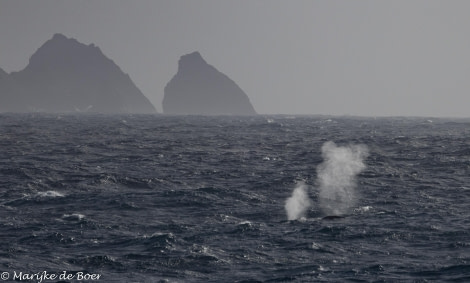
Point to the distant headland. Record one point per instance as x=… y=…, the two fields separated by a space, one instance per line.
x=200 y=89
x=64 y=75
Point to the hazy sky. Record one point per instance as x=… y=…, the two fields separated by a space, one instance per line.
x=373 y=58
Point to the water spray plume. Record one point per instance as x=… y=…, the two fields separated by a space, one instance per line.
x=297 y=205
x=337 y=181
x=337 y=177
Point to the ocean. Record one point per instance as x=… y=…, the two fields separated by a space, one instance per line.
x=154 y=198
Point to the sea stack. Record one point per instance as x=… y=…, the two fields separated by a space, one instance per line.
x=200 y=89
x=64 y=75
x=3 y=73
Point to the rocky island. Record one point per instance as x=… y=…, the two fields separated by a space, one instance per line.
x=64 y=75
x=200 y=89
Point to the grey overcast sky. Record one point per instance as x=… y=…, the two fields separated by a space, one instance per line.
x=344 y=57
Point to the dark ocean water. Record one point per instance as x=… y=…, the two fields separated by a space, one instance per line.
x=201 y=199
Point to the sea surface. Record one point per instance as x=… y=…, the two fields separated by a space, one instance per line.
x=153 y=198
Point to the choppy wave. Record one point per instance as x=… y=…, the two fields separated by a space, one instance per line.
x=195 y=199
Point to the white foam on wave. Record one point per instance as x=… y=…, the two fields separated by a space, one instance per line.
x=363 y=208
x=73 y=216
x=50 y=194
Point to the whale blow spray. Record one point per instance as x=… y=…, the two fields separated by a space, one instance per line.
x=297 y=205
x=337 y=176
x=336 y=179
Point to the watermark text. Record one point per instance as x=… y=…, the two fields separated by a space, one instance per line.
x=45 y=276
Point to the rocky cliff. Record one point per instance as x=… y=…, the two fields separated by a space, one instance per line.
x=200 y=89
x=64 y=75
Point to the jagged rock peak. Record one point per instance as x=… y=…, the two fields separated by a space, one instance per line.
x=62 y=50
x=191 y=60
x=64 y=75
x=59 y=36
x=200 y=89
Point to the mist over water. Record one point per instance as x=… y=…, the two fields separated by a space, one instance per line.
x=336 y=179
